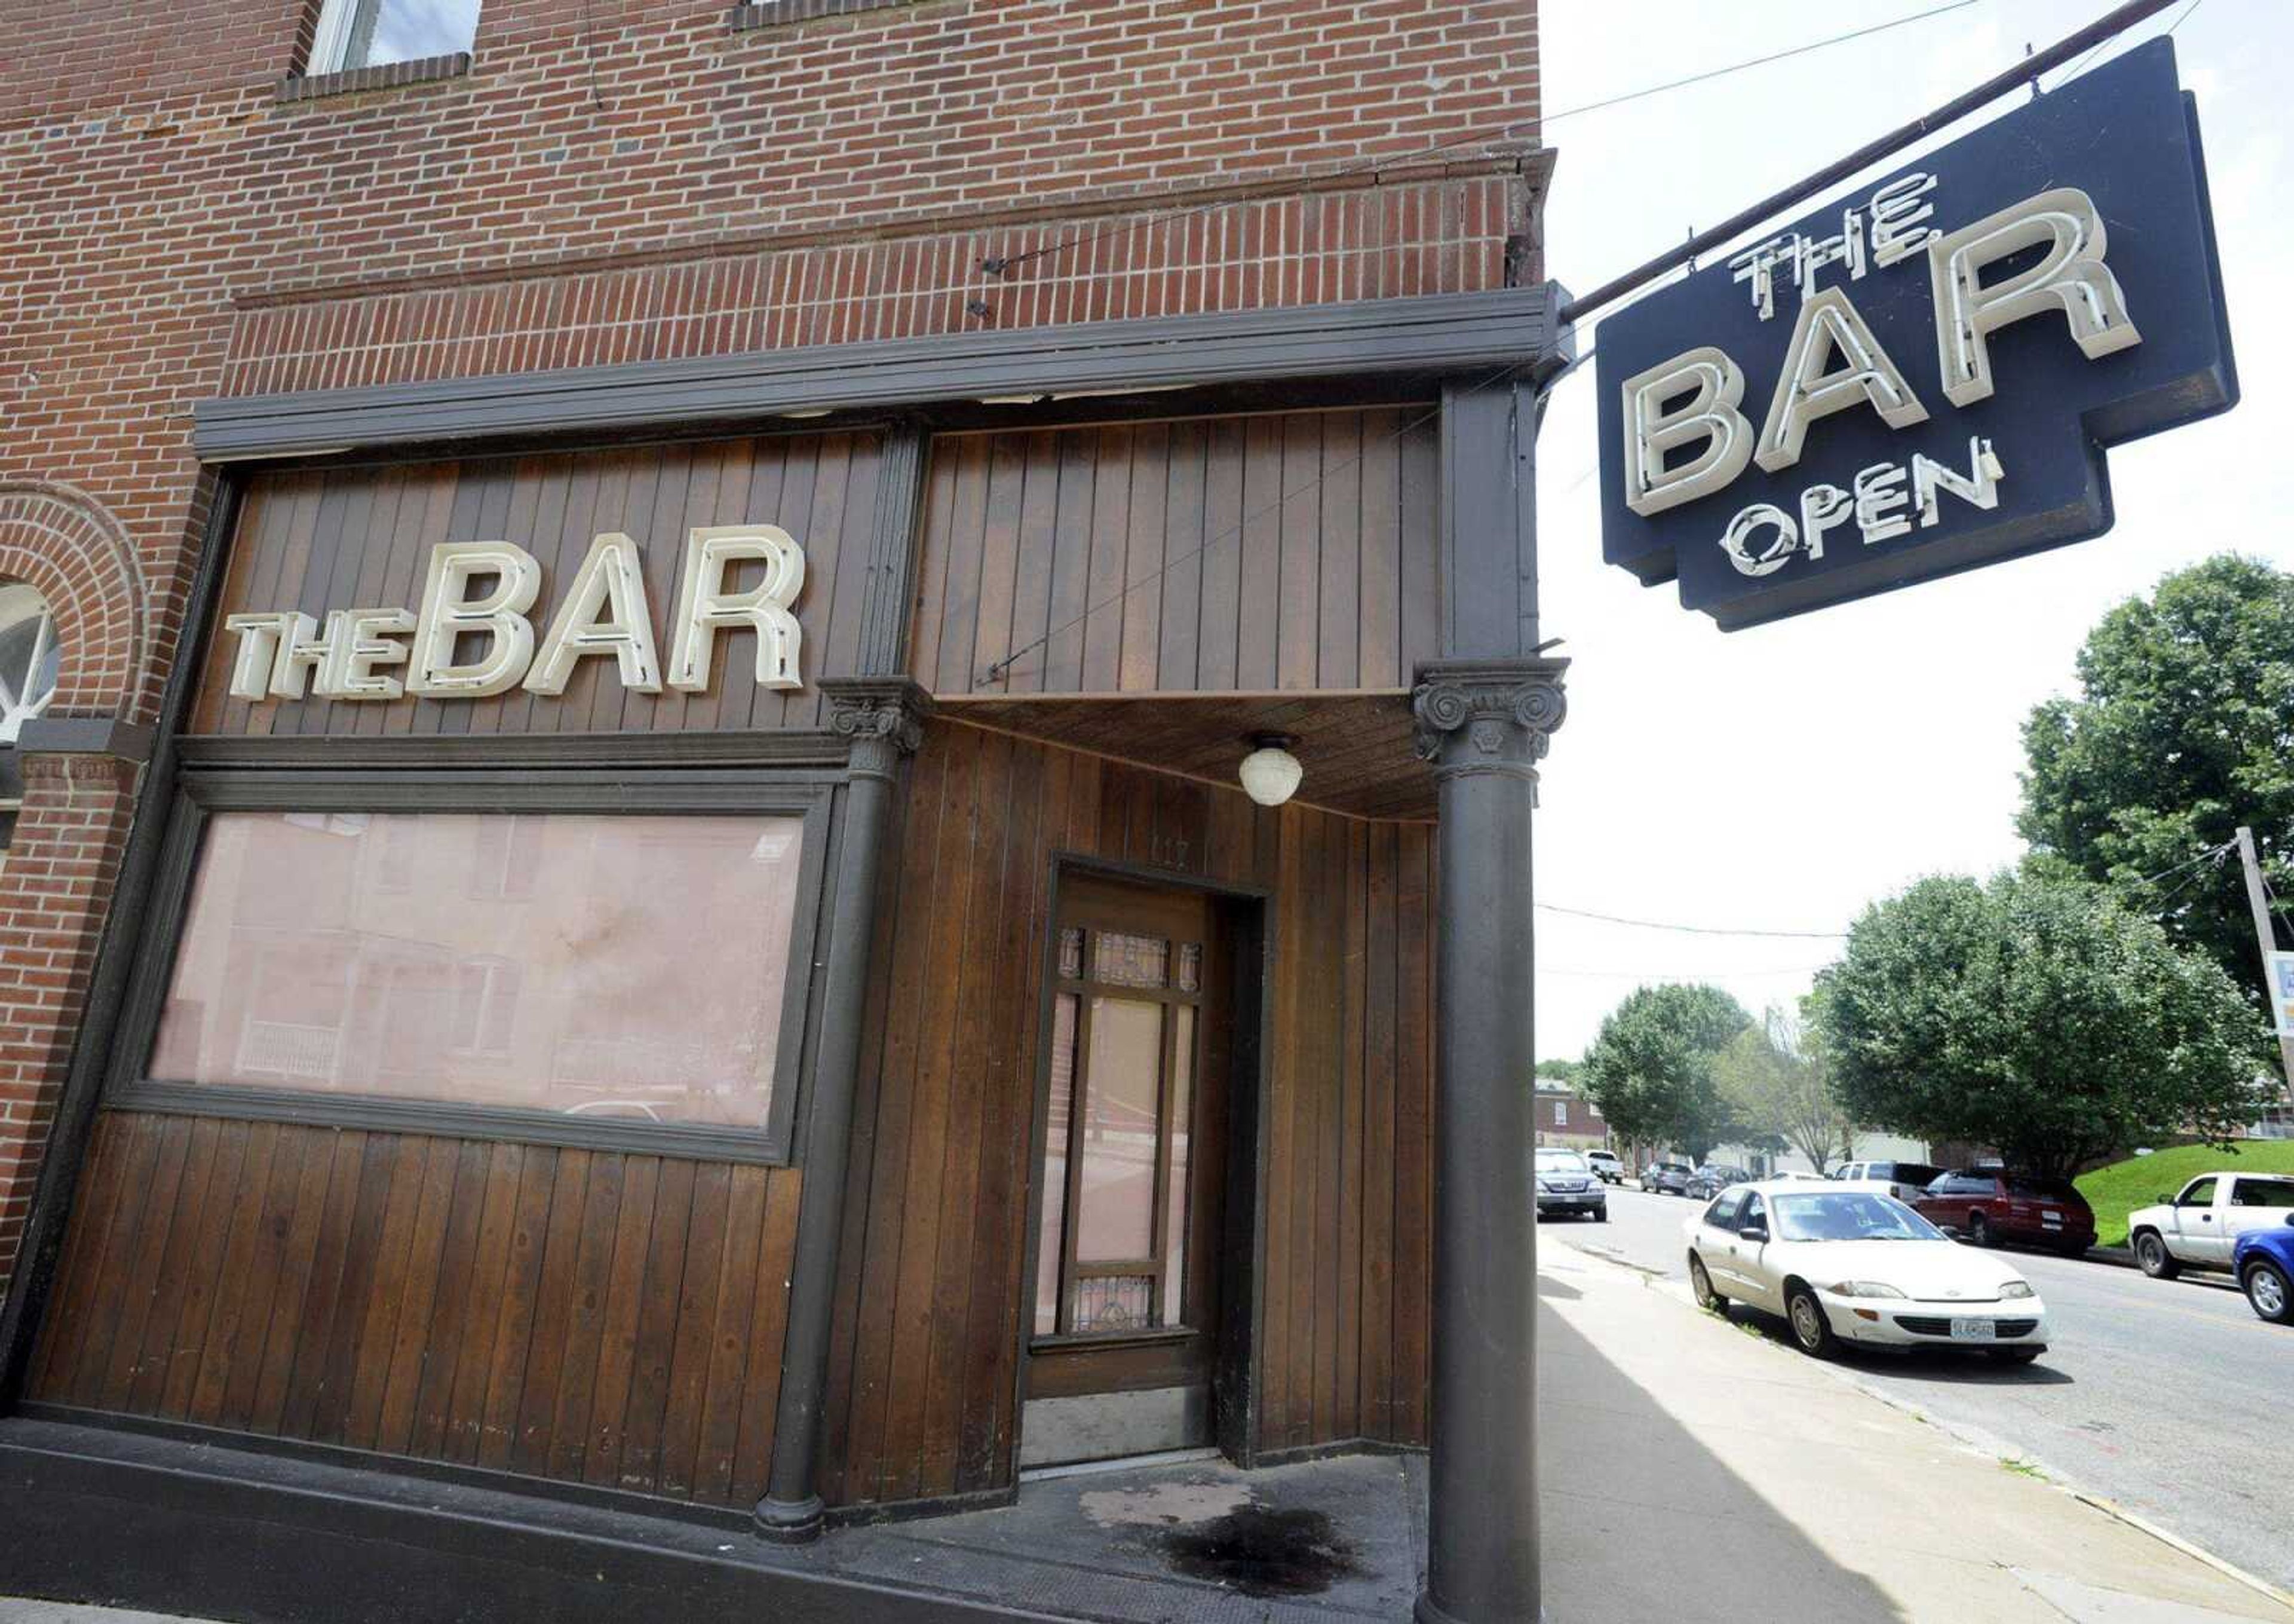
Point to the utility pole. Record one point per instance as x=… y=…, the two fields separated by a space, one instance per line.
x=2264 y=936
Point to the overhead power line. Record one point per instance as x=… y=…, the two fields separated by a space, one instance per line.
x=1655 y=924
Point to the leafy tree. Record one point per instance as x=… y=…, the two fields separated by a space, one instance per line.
x=1778 y=1082
x=2183 y=729
x=2037 y=1015
x=1562 y=1071
x=1651 y=1070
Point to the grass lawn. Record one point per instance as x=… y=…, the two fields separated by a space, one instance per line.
x=2118 y=1190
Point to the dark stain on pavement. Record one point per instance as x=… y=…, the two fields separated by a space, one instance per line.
x=1263 y=1553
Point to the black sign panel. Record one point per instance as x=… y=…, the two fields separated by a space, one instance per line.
x=1922 y=377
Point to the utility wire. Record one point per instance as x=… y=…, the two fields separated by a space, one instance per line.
x=1004 y=265
x=1654 y=924
x=2074 y=70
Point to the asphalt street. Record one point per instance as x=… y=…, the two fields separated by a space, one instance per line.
x=2168 y=1397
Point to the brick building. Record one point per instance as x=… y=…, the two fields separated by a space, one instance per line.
x=950 y=296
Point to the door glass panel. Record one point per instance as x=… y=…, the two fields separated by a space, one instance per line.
x=1117 y=1220
x=1174 y=1194
x=1113 y=1303
x=1055 y=1165
x=1130 y=960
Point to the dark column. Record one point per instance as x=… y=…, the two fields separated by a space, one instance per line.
x=883 y=717
x=1485 y=725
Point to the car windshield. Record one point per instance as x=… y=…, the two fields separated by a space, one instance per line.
x=1847 y=1216
x=2043 y=1189
x=1560 y=1161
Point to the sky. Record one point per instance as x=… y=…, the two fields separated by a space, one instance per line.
x=1783 y=778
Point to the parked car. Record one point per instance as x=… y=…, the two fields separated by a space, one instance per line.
x=1985 y=1205
x=2264 y=1260
x=1710 y=1179
x=1606 y=1167
x=1566 y=1187
x=2199 y=1227
x=1856 y=1265
x=1908 y=1181
x=1668 y=1175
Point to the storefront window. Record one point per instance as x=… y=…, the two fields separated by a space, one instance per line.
x=627 y=967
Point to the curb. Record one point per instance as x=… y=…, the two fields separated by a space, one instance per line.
x=2117 y=1257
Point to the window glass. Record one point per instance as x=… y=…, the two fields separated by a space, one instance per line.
x=1906 y=1172
x=1722 y=1213
x=1755 y=1210
x=1849 y=1215
x=30 y=657
x=2263 y=1192
x=375 y=33
x=2042 y=1190
x=595 y=966
x=2200 y=1192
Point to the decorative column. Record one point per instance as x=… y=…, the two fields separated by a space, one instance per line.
x=1485 y=725
x=883 y=718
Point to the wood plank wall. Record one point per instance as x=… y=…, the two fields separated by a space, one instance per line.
x=1281 y=552
x=920 y=1402
x=351 y=537
x=588 y=1317
x=616 y=1319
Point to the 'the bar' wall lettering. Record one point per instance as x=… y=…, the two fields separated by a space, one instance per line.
x=487 y=590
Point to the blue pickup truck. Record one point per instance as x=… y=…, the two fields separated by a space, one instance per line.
x=2263 y=1263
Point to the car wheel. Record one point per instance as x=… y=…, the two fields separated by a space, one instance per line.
x=1978 y=1231
x=2072 y=1248
x=2269 y=1292
x=2015 y=1356
x=1700 y=1283
x=1811 y=1331
x=2152 y=1255
x=1601 y=1214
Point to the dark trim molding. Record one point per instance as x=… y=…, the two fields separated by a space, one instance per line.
x=818 y=748
x=85 y=735
x=893 y=552
x=1438 y=333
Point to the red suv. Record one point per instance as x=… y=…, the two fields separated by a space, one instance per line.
x=1985 y=1205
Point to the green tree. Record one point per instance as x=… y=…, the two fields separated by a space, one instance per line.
x=1562 y=1071
x=1777 y=1080
x=2037 y=1015
x=2183 y=729
x=1651 y=1070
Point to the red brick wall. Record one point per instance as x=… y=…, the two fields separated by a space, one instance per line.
x=660 y=184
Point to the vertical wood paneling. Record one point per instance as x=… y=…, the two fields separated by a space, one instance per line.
x=355 y=538
x=618 y=1320
x=1284 y=552
x=934 y=1303
x=513 y=1307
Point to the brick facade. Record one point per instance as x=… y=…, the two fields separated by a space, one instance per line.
x=624 y=181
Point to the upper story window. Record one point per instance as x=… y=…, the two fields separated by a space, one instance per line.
x=30 y=657
x=375 y=33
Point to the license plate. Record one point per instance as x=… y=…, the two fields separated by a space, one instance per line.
x=2053 y=1221
x=1974 y=1330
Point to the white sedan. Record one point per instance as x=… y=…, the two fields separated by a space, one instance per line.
x=1856 y=1265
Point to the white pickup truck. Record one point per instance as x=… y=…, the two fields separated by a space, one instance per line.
x=2198 y=1228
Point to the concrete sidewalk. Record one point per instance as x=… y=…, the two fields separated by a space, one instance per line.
x=1695 y=1463
x=1691 y=1467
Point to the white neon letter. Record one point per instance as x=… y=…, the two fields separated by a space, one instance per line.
x=704 y=605
x=448 y=611
x=1880 y=500
x=257 y=659
x=1979 y=488
x=2070 y=276
x=1811 y=386
x=1715 y=389
x=1772 y=558
x=604 y=613
x=359 y=641
x=1822 y=508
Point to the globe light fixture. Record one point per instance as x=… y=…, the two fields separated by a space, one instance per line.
x=1270 y=773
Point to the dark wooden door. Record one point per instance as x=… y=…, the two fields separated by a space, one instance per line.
x=1124 y=1309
